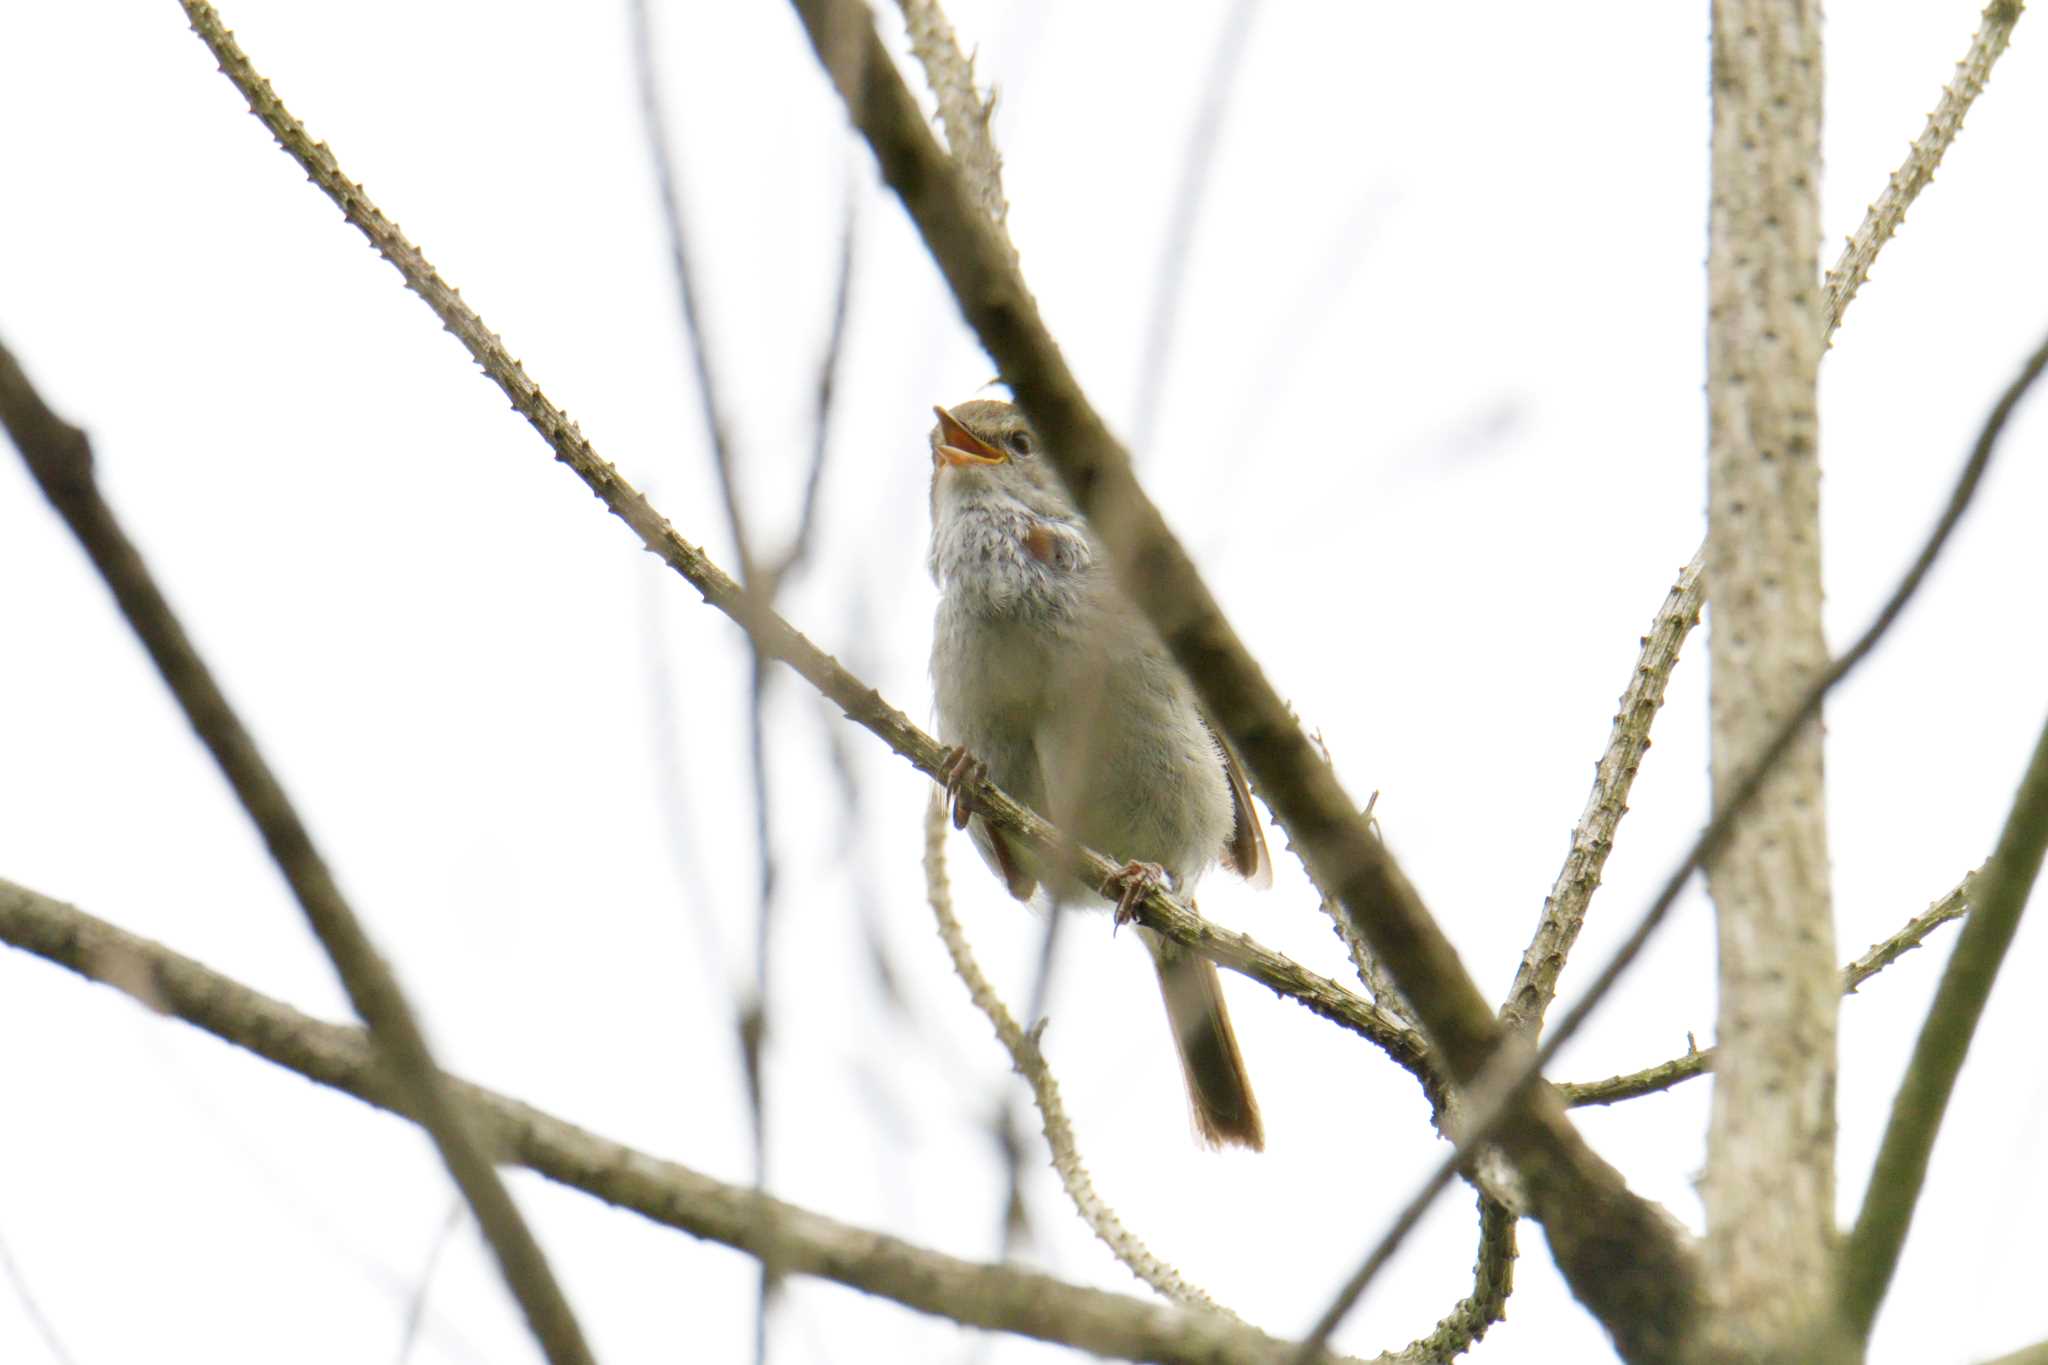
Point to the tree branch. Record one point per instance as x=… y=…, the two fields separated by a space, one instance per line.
x=965 y=114
x=1184 y=215
x=1994 y=31
x=1564 y=911
x=60 y=459
x=1493 y=1279
x=1698 y=1061
x=751 y=1016
x=2000 y=894
x=1030 y=1063
x=999 y=1298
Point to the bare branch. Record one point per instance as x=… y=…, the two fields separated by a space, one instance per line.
x=1493 y=1279
x=31 y=1309
x=1371 y=974
x=801 y=540
x=1885 y=952
x=1994 y=31
x=1871 y=1253
x=1564 y=913
x=999 y=1298
x=1184 y=215
x=1698 y=1061
x=1045 y=1091
x=966 y=116
x=654 y=125
x=416 y=1310
x=60 y=459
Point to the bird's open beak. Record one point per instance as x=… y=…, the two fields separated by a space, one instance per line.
x=960 y=447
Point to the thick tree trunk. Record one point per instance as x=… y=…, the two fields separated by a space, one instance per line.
x=1769 y=1186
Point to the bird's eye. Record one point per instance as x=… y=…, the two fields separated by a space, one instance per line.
x=1019 y=442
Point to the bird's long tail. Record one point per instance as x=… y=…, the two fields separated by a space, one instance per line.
x=1219 y=1092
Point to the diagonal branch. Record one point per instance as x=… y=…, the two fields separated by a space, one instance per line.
x=1030 y=1063
x=1994 y=31
x=1896 y=1178
x=1184 y=216
x=998 y=1298
x=60 y=459
x=1493 y=1279
x=965 y=114
x=1699 y=1061
x=752 y=1015
x=1564 y=913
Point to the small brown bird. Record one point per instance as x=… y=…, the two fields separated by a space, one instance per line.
x=1051 y=683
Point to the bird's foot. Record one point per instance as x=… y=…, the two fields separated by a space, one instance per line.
x=1132 y=883
x=961 y=770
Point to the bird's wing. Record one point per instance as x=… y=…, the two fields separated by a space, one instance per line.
x=1245 y=851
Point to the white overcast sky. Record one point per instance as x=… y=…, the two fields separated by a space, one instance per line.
x=1433 y=429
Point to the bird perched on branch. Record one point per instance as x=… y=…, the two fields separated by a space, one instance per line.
x=1053 y=685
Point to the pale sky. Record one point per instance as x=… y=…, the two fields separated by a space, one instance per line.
x=1433 y=429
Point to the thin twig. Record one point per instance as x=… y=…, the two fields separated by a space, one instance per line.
x=994 y=1297
x=1564 y=912
x=1045 y=1092
x=1994 y=31
x=854 y=853
x=1699 y=1061
x=679 y=820
x=1882 y=954
x=1493 y=1279
x=965 y=114
x=1871 y=1253
x=1493 y=1091
x=416 y=1310
x=31 y=1309
x=751 y=1016
x=1378 y=985
x=60 y=459
x=2037 y=1354
x=1184 y=216
x=801 y=540
x=655 y=127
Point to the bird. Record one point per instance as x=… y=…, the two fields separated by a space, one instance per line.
x=1049 y=682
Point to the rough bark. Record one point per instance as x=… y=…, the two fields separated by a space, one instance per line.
x=1769 y=1185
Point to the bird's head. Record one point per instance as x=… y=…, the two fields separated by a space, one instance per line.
x=983 y=451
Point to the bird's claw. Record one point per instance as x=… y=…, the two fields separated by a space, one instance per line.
x=1132 y=883
x=961 y=770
